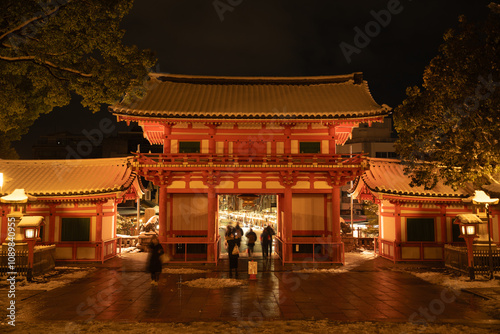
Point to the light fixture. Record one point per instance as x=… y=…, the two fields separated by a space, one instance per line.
x=480 y=197
x=30 y=233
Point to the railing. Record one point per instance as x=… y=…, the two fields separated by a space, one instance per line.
x=212 y=250
x=456 y=257
x=376 y=245
x=412 y=250
x=251 y=161
x=129 y=241
x=108 y=249
x=312 y=251
x=101 y=250
x=20 y=263
x=387 y=249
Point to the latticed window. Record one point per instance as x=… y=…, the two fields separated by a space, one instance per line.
x=75 y=229
x=189 y=147
x=310 y=147
x=420 y=229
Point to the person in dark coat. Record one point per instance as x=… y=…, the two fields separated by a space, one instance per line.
x=251 y=237
x=238 y=233
x=154 y=261
x=230 y=244
x=264 y=241
x=270 y=233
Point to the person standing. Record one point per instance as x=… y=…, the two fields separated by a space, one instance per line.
x=251 y=237
x=154 y=261
x=264 y=241
x=230 y=246
x=270 y=233
x=238 y=233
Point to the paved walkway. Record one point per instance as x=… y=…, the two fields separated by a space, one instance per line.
x=120 y=290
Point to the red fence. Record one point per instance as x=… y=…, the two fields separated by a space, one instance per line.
x=253 y=161
x=316 y=250
x=178 y=249
x=90 y=251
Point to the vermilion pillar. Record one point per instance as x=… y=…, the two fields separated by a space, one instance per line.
x=98 y=235
x=331 y=140
x=5 y=211
x=287 y=223
x=211 y=139
x=166 y=141
x=336 y=214
x=212 y=207
x=397 y=229
x=98 y=225
x=162 y=217
x=288 y=142
x=443 y=224
x=52 y=222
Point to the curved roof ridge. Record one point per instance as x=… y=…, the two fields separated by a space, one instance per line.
x=356 y=77
x=68 y=177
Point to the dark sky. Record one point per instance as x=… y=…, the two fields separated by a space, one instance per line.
x=281 y=38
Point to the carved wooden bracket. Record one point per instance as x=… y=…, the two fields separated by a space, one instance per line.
x=288 y=179
x=211 y=178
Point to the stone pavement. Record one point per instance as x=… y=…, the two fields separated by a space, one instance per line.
x=119 y=290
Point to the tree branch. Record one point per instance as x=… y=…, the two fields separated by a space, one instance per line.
x=47 y=63
x=26 y=23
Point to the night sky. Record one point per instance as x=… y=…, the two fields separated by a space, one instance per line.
x=281 y=38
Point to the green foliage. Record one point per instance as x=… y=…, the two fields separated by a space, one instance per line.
x=52 y=49
x=370 y=210
x=448 y=129
x=124 y=225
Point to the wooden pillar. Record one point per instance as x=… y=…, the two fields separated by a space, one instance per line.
x=162 y=217
x=212 y=207
x=211 y=138
x=287 y=223
x=336 y=214
x=98 y=233
x=397 y=231
x=444 y=236
x=52 y=222
x=166 y=140
x=331 y=141
x=5 y=211
x=288 y=142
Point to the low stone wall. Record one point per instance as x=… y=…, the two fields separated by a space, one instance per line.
x=44 y=259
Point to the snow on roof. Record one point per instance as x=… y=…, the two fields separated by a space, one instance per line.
x=211 y=97
x=67 y=177
x=386 y=176
x=469 y=218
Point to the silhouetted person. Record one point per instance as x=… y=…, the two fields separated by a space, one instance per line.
x=264 y=241
x=251 y=237
x=270 y=233
x=154 y=262
x=238 y=233
x=230 y=245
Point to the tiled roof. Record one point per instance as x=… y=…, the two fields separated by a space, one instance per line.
x=66 y=177
x=183 y=96
x=386 y=176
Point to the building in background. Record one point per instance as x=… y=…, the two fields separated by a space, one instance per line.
x=376 y=141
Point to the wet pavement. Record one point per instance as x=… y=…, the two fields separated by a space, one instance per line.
x=120 y=290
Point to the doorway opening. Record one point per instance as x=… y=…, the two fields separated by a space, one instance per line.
x=248 y=211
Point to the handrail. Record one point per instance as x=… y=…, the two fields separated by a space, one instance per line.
x=218 y=160
x=215 y=243
x=338 y=245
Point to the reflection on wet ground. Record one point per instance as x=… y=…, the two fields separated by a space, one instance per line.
x=120 y=290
